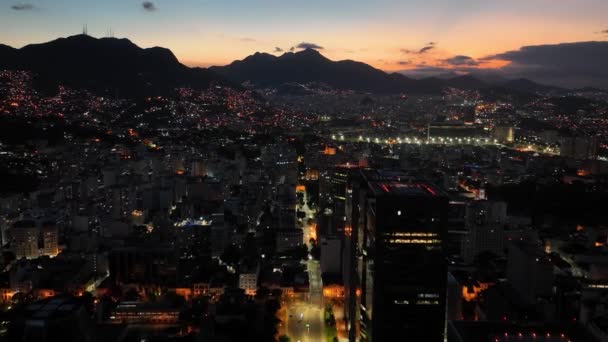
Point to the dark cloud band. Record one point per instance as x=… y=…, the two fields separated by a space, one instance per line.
x=305 y=45
x=428 y=47
x=148 y=6
x=22 y=7
x=461 y=60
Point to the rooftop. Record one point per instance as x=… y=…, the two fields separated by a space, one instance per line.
x=399 y=183
x=52 y=307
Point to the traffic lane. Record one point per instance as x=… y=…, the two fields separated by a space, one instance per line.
x=305 y=323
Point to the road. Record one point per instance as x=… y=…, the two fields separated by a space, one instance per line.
x=304 y=322
x=310 y=231
x=303 y=316
x=316 y=283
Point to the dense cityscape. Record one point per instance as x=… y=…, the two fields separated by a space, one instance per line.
x=268 y=200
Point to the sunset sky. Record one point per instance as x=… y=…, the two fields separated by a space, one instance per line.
x=388 y=34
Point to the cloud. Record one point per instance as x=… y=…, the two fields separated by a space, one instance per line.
x=568 y=65
x=424 y=71
x=292 y=49
x=604 y=32
x=404 y=62
x=149 y=6
x=247 y=40
x=22 y=7
x=460 y=60
x=278 y=49
x=428 y=47
x=305 y=45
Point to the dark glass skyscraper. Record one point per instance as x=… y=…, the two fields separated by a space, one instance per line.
x=398 y=226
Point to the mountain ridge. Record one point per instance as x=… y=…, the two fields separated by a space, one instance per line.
x=107 y=66
x=309 y=65
x=117 y=66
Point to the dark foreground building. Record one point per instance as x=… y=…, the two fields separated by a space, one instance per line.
x=64 y=319
x=396 y=258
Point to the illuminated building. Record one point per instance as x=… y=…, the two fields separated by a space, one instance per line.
x=469 y=115
x=492 y=331
x=400 y=224
x=25 y=239
x=471 y=292
x=451 y=129
x=530 y=272
x=484 y=223
x=454 y=298
x=147 y=264
x=579 y=147
x=286 y=209
x=50 y=239
x=331 y=255
x=248 y=278
x=288 y=239
x=338 y=180
x=144 y=313
x=330 y=151
x=54 y=319
x=199 y=168
x=504 y=134
x=351 y=259
x=312 y=175
x=333 y=288
x=219 y=234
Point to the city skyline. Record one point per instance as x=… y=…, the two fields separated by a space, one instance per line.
x=312 y=171
x=420 y=38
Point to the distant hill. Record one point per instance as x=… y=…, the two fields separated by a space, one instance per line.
x=106 y=65
x=265 y=70
x=526 y=86
x=8 y=56
x=118 y=67
x=310 y=66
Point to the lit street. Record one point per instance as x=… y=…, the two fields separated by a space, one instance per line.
x=304 y=322
x=304 y=315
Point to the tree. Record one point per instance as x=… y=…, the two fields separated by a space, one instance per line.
x=276 y=293
x=231 y=255
x=262 y=293
x=175 y=299
x=89 y=302
x=19 y=298
x=315 y=252
x=284 y=338
x=300 y=252
x=131 y=295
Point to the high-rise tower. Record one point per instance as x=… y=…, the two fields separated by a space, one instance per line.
x=398 y=256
